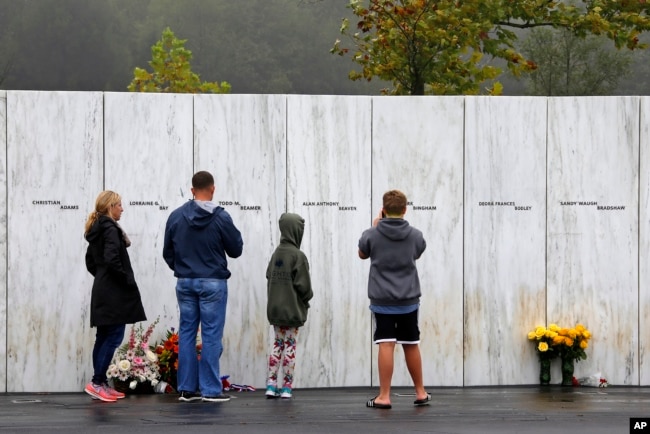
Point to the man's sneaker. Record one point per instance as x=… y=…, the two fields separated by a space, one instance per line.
x=188 y=396
x=272 y=392
x=217 y=398
x=97 y=391
x=113 y=392
x=286 y=393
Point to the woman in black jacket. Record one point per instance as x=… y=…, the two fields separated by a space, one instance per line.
x=115 y=299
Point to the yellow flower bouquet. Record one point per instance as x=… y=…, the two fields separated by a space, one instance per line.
x=572 y=343
x=553 y=341
x=543 y=338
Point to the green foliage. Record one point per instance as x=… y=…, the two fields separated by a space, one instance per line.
x=439 y=47
x=568 y=65
x=267 y=47
x=172 y=73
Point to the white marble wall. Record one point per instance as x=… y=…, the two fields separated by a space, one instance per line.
x=148 y=143
x=54 y=161
x=505 y=215
x=490 y=272
x=328 y=183
x=592 y=252
x=417 y=147
x=241 y=140
x=644 y=245
x=3 y=236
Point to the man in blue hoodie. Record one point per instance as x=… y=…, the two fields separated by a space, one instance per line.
x=393 y=246
x=198 y=236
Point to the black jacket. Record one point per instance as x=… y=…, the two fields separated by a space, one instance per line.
x=115 y=296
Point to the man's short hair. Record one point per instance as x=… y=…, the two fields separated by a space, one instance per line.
x=394 y=202
x=202 y=180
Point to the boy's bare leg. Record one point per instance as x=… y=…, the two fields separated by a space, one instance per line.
x=414 y=365
x=385 y=361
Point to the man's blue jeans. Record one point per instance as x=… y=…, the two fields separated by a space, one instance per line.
x=201 y=302
x=107 y=339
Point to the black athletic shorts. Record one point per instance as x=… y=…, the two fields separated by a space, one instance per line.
x=401 y=328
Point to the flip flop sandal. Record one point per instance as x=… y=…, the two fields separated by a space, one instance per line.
x=371 y=403
x=423 y=401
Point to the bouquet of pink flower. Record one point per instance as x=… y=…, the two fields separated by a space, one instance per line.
x=134 y=361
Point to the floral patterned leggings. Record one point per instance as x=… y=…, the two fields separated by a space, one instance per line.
x=283 y=353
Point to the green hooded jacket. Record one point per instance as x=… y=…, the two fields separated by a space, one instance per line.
x=287 y=275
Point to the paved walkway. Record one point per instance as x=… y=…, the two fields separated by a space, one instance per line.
x=482 y=410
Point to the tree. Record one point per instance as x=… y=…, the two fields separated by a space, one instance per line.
x=441 y=46
x=172 y=72
x=571 y=66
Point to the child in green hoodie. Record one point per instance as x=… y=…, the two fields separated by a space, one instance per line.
x=289 y=292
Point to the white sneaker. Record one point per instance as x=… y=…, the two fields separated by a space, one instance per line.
x=272 y=392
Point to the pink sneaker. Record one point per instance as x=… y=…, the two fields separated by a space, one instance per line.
x=113 y=392
x=98 y=392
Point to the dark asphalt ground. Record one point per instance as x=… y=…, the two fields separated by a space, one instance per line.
x=485 y=410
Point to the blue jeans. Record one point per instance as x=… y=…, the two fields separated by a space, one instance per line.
x=107 y=339
x=201 y=302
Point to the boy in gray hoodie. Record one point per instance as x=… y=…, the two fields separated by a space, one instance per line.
x=394 y=292
x=289 y=291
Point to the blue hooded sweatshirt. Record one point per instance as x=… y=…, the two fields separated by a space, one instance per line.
x=198 y=236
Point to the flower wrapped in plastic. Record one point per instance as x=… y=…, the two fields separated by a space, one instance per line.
x=167 y=353
x=135 y=361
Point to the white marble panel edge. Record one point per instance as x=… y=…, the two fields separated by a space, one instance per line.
x=241 y=139
x=504 y=259
x=3 y=238
x=54 y=160
x=418 y=148
x=592 y=226
x=328 y=183
x=148 y=161
x=644 y=244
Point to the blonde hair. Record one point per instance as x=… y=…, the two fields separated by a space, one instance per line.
x=105 y=200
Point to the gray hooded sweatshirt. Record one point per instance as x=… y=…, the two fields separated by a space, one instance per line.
x=393 y=246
